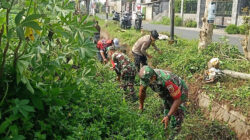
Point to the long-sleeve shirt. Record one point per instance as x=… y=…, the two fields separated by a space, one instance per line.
x=142 y=45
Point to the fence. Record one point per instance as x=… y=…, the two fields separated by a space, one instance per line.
x=244 y=7
x=189 y=6
x=224 y=8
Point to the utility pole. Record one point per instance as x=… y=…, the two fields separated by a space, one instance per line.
x=107 y=14
x=87 y=6
x=121 y=10
x=172 y=22
x=182 y=11
x=206 y=32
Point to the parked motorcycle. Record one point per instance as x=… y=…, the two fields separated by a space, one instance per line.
x=116 y=16
x=138 y=21
x=126 y=21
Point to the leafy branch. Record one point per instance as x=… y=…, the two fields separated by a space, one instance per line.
x=8 y=40
x=16 y=53
x=1 y=34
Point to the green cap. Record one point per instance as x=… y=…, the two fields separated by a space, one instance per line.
x=111 y=48
x=145 y=74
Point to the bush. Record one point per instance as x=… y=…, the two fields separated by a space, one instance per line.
x=243 y=29
x=165 y=21
x=232 y=29
x=190 y=23
x=177 y=21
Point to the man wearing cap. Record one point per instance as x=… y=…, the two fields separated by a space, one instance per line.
x=171 y=88
x=140 y=47
x=124 y=69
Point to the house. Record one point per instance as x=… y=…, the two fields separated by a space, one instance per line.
x=151 y=8
x=227 y=11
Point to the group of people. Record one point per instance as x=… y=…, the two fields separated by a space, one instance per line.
x=170 y=87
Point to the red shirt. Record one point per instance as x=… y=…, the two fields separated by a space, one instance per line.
x=103 y=44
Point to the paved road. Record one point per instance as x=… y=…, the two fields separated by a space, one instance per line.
x=194 y=33
x=190 y=34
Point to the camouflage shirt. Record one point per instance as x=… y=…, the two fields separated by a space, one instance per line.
x=120 y=62
x=168 y=85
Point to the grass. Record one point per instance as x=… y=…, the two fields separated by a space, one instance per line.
x=166 y=21
x=182 y=58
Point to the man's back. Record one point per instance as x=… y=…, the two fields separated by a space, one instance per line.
x=121 y=60
x=142 y=42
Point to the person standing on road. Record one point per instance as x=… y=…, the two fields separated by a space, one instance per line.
x=125 y=70
x=97 y=34
x=140 y=47
x=171 y=88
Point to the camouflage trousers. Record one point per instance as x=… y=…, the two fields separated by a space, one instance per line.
x=128 y=78
x=177 y=118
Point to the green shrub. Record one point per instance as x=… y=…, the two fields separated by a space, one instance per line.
x=177 y=5
x=232 y=29
x=177 y=21
x=243 y=29
x=165 y=21
x=190 y=23
x=54 y=90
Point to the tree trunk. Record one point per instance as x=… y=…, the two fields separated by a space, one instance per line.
x=246 y=42
x=237 y=74
x=107 y=14
x=206 y=32
x=246 y=47
x=87 y=6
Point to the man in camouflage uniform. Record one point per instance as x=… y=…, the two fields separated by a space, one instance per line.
x=171 y=88
x=124 y=69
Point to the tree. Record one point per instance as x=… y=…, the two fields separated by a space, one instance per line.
x=246 y=41
x=206 y=32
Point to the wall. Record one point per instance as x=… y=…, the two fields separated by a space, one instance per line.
x=227 y=21
x=235 y=119
x=240 y=20
x=149 y=12
x=115 y=5
x=187 y=16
